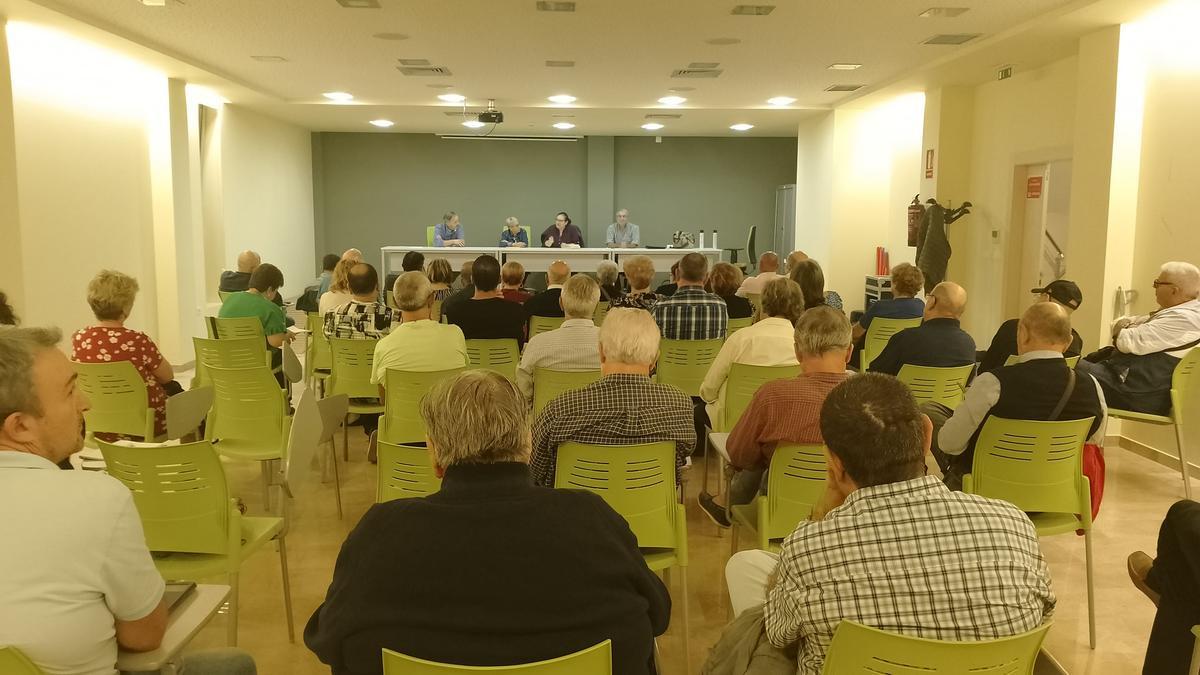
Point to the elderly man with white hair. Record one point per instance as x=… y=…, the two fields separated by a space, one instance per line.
x=624 y=407
x=624 y=234
x=572 y=346
x=1137 y=374
x=490 y=570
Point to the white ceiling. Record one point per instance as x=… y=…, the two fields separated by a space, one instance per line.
x=624 y=51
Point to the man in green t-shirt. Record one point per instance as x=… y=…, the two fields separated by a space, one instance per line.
x=259 y=302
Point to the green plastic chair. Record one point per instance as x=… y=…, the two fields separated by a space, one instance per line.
x=684 y=363
x=735 y=325
x=401 y=422
x=189 y=519
x=878 y=334
x=353 y=362
x=795 y=483
x=550 y=384
x=429 y=232
x=501 y=356
x=861 y=649
x=222 y=295
x=247 y=352
x=544 y=324
x=1038 y=466
x=1184 y=403
x=937 y=385
x=249 y=420
x=1072 y=361
x=638 y=482
x=242 y=327
x=744 y=381
x=404 y=471
x=119 y=399
x=318 y=360
x=596 y=660
x=13 y=662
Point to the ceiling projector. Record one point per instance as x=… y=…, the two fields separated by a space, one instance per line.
x=491 y=115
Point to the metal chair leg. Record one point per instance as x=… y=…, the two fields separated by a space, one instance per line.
x=287 y=590
x=346 y=438
x=231 y=623
x=266 y=484
x=687 y=624
x=1183 y=459
x=1087 y=543
x=337 y=480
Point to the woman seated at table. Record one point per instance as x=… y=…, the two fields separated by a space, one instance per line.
x=441 y=275
x=449 y=232
x=111 y=296
x=639 y=272
x=724 y=280
x=562 y=232
x=513 y=235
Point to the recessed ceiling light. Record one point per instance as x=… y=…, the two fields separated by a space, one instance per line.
x=339 y=96
x=672 y=100
x=452 y=98
x=267 y=58
x=951 y=39
x=722 y=41
x=440 y=86
x=390 y=36
x=474 y=124
x=678 y=90
x=155 y=3
x=742 y=126
x=652 y=126
x=382 y=124
x=845 y=66
x=561 y=99
x=560 y=64
x=359 y=4
x=781 y=100
x=844 y=87
x=704 y=65
x=543 y=6
x=563 y=125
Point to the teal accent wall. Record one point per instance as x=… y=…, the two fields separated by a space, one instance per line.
x=374 y=189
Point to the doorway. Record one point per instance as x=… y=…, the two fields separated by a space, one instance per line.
x=1036 y=252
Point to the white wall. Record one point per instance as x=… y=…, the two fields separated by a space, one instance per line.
x=814 y=187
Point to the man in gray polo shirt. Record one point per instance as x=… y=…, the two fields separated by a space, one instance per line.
x=624 y=234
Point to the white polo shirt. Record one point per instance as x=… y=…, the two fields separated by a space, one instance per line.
x=72 y=558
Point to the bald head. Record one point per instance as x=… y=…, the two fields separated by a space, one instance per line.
x=768 y=262
x=947 y=300
x=1044 y=326
x=248 y=261
x=558 y=273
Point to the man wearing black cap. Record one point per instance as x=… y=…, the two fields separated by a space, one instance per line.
x=1004 y=343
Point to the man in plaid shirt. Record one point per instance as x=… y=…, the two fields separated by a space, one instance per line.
x=891 y=547
x=624 y=407
x=692 y=313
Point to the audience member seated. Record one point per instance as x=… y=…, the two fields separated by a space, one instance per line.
x=110 y=295
x=414 y=261
x=546 y=303
x=512 y=276
x=462 y=290
x=938 y=341
x=259 y=302
x=624 y=407
x=769 y=342
x=1136 y=375
x=449 y=232
x=339 y=288
x=668 y=289
x=768 y=271
x=8 y=316
x=692 y=313
x=364 y=317
x=572 y=346
x=1031 y=389
x=811 y=276
x=353 y=255
x=891 y=547
x=464 y=277
x=907 y=282
x=328 y=265
x=514 y=235
x=239 y=280
x=418 y=344
x=76 y=579
x=608 y=275
x=441 y=275
x=639 y=272
x=486 y=571
x=787 y=410
x=1172 y=582
x=1004 y=343
x=487 y=315
x=723 y=282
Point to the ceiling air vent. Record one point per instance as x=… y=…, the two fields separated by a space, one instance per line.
x=696 y=73
x=543 y=6
x=703 y=65
x=359 y=4
x=663 y=116
x=414 y=62
x=943 y=12
x=844 y=87
x=951 y=39
x=424 y=71
x=560 y=64
x=752 y=10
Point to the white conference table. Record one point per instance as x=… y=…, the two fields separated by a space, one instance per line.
x=184 y=621
x=538 y=259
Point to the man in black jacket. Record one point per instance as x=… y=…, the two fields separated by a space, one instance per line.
x=938 y=341
x=1004 y=343
x=546 y=303
x=490 y=570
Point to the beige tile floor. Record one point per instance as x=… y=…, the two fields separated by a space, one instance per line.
x=1137 y=496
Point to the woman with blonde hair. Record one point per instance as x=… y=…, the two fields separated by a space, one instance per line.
x=639 y=272
x=441 y=276
x=339 y=289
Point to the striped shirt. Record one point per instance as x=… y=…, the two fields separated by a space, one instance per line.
x=782 y=411
x=692 y=314
x=913 y=558
x=618 y=409
x=360 y=320
x=575 y=345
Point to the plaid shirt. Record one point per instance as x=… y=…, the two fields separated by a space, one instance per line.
x=360 y=320
x=619 y=409
x=912 y=558
x=692 y=314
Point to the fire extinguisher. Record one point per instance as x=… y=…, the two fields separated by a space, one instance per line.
x=915 y=213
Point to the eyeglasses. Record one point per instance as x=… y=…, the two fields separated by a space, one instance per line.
x=1158 y=283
